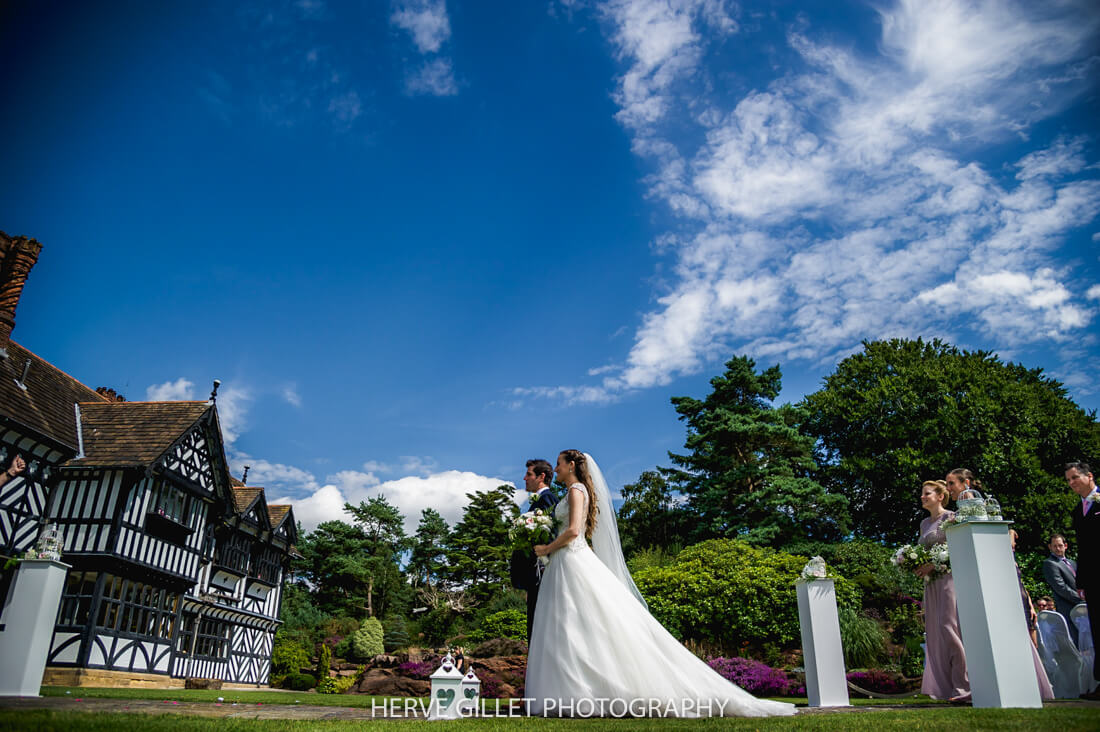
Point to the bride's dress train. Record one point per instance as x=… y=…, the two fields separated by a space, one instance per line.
x=593 y=640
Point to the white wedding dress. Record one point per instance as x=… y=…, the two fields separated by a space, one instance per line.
x=596 y=651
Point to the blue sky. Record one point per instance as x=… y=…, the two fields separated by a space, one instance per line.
x=422 y=241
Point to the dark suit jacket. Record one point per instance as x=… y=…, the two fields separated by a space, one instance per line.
x=1087 y=527
x=1063 y=583
x=522 y=565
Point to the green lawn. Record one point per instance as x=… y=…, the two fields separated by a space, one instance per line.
x=206 y=695
x=1062 y=719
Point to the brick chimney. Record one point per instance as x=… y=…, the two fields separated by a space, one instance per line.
x=18 y=255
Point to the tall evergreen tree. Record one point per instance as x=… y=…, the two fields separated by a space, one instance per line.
x=428 y=560
x=336 y=561
x=747 y=471
x=384 y=528
x=651 y=516
x=479 y=550
x=904 y=411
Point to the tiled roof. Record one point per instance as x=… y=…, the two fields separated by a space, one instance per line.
x=120 y=434
x=277 y=513
x=47 y=404
x=243 y=497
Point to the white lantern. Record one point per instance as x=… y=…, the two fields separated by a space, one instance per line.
x=446 y=691
x=471 y=691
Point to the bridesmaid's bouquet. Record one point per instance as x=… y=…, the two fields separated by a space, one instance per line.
x=911 y=556
x=528 y=529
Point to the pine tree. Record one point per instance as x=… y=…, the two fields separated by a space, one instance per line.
x=747 y=470
x=429 y=549
x=478 y=552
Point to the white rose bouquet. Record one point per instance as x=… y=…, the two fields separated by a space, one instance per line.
x=528 y=529
x=911 y=556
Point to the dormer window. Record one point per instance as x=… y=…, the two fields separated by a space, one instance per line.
x=169 y=502
x=169 y=513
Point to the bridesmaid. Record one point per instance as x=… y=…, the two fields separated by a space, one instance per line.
x=944 y=658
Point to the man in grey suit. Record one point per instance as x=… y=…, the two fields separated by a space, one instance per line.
x=1060 y=573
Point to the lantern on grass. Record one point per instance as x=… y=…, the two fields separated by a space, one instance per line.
x=446 y=691
x=471 y=691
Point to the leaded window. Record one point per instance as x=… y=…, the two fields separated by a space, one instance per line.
x=210 y=641
x=233 y=551
x=128 y=606
x=169 y=502
x=76 y=599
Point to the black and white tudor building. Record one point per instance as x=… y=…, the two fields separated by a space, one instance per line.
x=177 y=568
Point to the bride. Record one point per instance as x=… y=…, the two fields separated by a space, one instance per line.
x=595 y=650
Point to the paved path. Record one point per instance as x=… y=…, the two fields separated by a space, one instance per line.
x=310 y=712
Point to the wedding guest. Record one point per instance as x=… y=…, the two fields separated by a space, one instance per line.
x=1086 y=523
x=1046 y=602
x=17 y=466
x=944 y=660
x=1060 y=572
x=962 y=484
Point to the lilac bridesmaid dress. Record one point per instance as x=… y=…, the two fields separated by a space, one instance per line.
x=944 y=658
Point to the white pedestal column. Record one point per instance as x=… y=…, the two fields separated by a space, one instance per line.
x=29 y=616
x=822 y=651
x=991 y=616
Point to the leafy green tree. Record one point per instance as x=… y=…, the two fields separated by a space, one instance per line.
x=748 y=468
x=479 y=550
x=324 y=662
x=384 y=529
x=904 y=411
x=428 y=560
x=367 y=641
x=729 y=594
x=651 y=516
x=337 y=561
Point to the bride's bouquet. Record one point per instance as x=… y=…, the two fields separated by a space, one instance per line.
x=528 y=529
x=911 y=556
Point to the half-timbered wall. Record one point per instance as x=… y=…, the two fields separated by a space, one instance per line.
x=137 y=543
x=84 y=507
x=23 y=498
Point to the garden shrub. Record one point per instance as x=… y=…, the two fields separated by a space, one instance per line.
x=287 y=656
x=396 y=636
x=367 y=641
x=731 y=594
x=299 y=682
x=500 y=647
x=335 y=684
x=755 y=677
x=505 y=624
x=324 y=662
x=880 y=681
x=864 y=639
x=422 y=670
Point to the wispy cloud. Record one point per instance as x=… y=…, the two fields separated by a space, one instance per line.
x=426 y=21
x=434 y=77
x=291 y=396
x=848 y=198
x=429 y=27
x=290 y=78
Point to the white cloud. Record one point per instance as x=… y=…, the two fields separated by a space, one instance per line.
x=847 y=199
x=233 y=405
x=443 y=491
x=180 y=390
x=426 y=21
x=418 y=465
x=1093 y=293
x=434 y=77
x=291 y=396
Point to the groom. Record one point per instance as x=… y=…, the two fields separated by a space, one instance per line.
x=525 y=570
